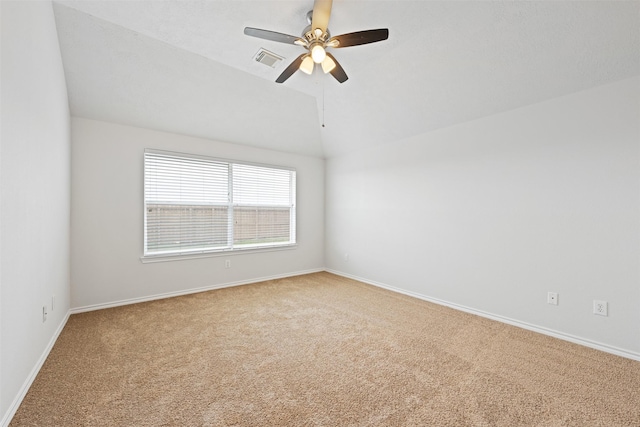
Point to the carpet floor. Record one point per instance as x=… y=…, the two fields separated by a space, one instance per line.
x=320 y=350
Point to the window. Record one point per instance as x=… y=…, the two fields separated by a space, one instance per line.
x=195 y=204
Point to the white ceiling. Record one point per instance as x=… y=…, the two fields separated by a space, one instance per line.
x=186 y=66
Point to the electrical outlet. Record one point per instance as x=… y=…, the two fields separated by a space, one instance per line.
x=53 y=302
x=552 y=298
x=227 y=263
x=44 y=313
x=600 y=307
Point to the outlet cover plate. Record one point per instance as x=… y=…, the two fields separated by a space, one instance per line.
x=600 y=307
x=552 y=298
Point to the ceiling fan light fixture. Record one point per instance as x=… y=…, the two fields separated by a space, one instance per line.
x=307 y=65
x=328 y=65
x=318 y=53
x=316 y=39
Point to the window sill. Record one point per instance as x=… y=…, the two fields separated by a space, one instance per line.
x=196 y=255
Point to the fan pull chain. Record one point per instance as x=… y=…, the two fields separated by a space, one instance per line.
x=323 y=104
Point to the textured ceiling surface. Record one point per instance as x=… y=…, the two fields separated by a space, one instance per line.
x=186 y=66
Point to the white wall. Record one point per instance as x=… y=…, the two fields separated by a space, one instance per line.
x=492 y=214
x=34 y=194
x=107 y=218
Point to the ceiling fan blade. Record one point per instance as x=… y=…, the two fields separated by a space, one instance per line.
x=271 y=35
x=292 y=68
x=338 y=71
x=321 y=13
x=360 y=37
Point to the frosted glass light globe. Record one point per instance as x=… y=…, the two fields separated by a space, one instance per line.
x=318 y=54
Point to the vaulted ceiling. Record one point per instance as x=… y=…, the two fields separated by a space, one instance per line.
x=186 y=66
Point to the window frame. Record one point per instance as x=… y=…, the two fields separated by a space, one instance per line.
x=227 y=250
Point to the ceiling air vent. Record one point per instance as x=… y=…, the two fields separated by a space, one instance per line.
x=267 y=58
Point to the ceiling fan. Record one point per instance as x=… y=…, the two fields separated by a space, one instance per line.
x=316 y=39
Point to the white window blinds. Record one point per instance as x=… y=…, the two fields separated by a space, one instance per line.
x=196 y=204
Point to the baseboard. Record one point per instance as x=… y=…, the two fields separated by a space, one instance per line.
x=6 y=419
x=556 y=334
x=524 y=325
x=94 y=307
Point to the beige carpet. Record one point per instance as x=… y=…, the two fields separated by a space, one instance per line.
x=320 y=350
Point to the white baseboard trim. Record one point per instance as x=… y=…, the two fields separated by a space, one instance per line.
x=524 y=325
x=101 y=306
x=6 y=419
